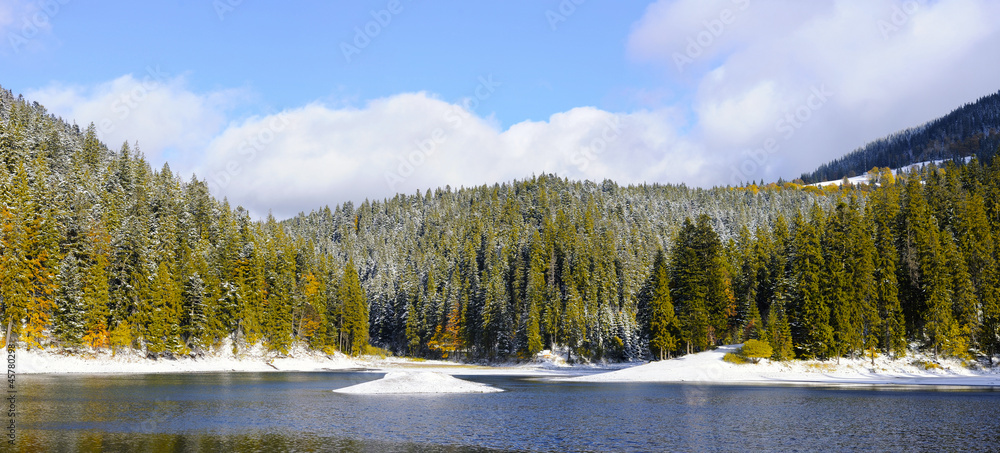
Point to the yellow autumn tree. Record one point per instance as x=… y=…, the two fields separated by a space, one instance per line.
x=28 y=255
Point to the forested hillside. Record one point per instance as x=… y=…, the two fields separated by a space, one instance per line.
x=98 y=250
x=972 y=130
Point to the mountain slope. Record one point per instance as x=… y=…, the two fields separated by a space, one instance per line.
x=971 y=130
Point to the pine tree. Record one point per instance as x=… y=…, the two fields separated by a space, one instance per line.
x=163 y=326
x=779 y=332
x=700 y=287
x=413 y=325
x=811 y=313
x=312 y=310
x=195 y=294
x=28 y=257
x=965 y=307
x=976 y=241
x=355 y=311
x=535 y=294
x=68 y=323
x=838 y=251
x=663 y=323
x=935 y=279
x=892 y=333
x=95 y=297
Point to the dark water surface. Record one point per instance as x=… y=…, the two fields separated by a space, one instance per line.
x=298 y=412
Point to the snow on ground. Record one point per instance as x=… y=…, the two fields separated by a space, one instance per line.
x=258 y=359
x=708 y=367
x=704 y=367
x=864 y=179
x=398 y=382
x=254 y=359
x=853 y=180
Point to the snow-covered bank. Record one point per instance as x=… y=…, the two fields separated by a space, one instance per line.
x=705 y=367
x=258 y=359
x=253 y=360
x=405 y=382
x=708 y=367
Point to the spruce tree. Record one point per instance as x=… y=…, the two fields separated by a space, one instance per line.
x=355 y=311
x=663 y=323
x=811 y=313
x=779 y=332
x=68 y=323
x=891 y=328
x=95 y=298
x=937 y=285
x=700 y=287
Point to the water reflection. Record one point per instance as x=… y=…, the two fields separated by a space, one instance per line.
x=91 y=441
x=299 y=412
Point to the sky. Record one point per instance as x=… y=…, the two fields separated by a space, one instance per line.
x=289 y=107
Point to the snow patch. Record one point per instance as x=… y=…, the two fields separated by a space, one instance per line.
x=407 y=382
x=708 y=367
x=253 y=359
x=552 y=359
x=865 y=179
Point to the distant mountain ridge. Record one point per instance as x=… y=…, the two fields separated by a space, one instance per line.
x=971 y=130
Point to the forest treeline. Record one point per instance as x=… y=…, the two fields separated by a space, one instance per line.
x=970 y=130
x=99 y=250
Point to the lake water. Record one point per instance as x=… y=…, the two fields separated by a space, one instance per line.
x=298 y=412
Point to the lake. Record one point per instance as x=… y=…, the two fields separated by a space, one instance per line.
x=298 y=412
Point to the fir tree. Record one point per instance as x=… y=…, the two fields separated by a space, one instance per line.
x=663 y=323
x=68 y=322
x=811 y=320
x=892 y=334
x=355 y=323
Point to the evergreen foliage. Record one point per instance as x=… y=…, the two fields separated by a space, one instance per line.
x=972 y=130
x=99 y=250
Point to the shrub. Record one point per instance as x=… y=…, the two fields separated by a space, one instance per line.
x=926 y=365
x=376 y=352
x=756 y=350
x=734 y=358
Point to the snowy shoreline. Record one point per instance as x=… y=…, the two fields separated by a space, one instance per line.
x=709 y=368
x=258 y=359
x=703 y=368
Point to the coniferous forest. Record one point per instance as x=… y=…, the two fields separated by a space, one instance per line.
x=99 y=250
x=970 y=130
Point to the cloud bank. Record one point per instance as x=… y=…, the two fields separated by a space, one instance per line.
x=752 y=68
x=768 y=89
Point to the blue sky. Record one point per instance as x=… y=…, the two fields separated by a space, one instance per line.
x=292 y=55
x=262 y=100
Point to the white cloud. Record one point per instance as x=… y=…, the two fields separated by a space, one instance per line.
x=890 y=64
x=783 y=87
x=169 y=121
x=28 y=25
x=305 y=158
